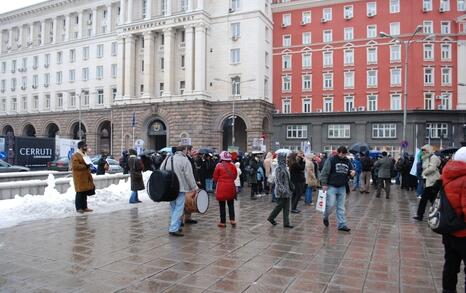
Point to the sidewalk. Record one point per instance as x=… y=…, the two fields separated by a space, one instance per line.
x=130 y=251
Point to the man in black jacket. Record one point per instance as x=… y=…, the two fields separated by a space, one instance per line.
x=366 y=171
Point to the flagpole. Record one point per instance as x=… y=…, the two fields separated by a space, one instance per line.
x=122 y=132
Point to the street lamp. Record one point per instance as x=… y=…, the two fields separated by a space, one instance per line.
x=80 y=132
x=405 y=88
x=235 y=92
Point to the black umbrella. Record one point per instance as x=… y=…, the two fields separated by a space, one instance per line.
x=359 y=147
x=206 y=151
x=449 y=151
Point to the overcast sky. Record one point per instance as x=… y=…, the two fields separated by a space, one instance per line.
x=8 y=5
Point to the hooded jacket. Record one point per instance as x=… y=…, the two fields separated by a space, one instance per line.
x=430 y=166
x=282 y=178
x=454 y=185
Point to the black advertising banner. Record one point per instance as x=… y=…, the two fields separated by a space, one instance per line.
x=34 y=152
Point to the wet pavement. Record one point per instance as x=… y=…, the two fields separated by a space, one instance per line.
x=130 y=251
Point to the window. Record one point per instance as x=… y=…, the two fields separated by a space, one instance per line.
x=3 y=105
x=446 y=76
x=328 y=81
x=461 y=5
x=235 y=56
x=427 y=5
x=71 y=75
x=348 y=33
x=162 y=63
x=85 y=74
x=85 y=100
x=235 y=30
x=371 y=103
x=286 y=41
x=4 y=66
x=235 y=4
x=286 y=83
x=99 y=72
x=349 y=104
x=349 y=79
x=13 y=104
x=13 y=66
x=47 y=102
x=328 y=59
x=307 y=60
x=436 y=130
x=46 y=79
x=184 y=5
x=85 y=53
x=100 y=97
x=395 y=53
x=35 y=103
x=328 y=104
x=445 y=5
x=327 y=36
x=25 y=103
x=114 y=48
x=25 y=63
x=383 y=130
x=445 y=28
x=428 y=76
x=24 y=82
x=395 y=77
x=394 y=6
x=161 y=88
x=266 y=87
x=286 y=20
x=72 y=100
x=395 y=102
x=59 y=77
x=3 y=85
x=372 y=78
x=371 y=9
x=59 y=101
x=13 y=84
x=445 y=101
x=428 y=27
x=327 y=14
x=47 y=60
x=372 y=31
x=394 y=28
x=267 y=59
x=296 y=131
x=428 y=52
x=306 y=17
x=349 y=57
x=114 y=70
x=100 y=51
x=236 y=86
x=429 y=101
x=307 y=105
x=307 y=82
x=114 y=93
x=338 y=131
x=286 y=106
x=59 y=57
x=371 y=55
x=306 y=38
x=446 y=52
x=348 y=12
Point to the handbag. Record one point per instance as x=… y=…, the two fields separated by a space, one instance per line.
x=321 y=201
x=163 y=185
x=443 y=218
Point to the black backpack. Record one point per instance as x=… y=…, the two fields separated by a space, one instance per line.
x=163 y=185
x=442 y=217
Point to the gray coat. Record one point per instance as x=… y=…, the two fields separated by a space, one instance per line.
x=183 y=171
x=384 y=166
x=282 y=178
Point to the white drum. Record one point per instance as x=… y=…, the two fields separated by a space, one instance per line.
x=202 y=201
x=196 y=202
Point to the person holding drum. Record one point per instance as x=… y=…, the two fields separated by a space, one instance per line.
x=225 y=176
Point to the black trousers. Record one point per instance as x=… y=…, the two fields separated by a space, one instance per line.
x=231 y=210
x=297 y=193
x=283 y=204
x=80 y=201
x=384 y=183
x=455 y=252
x=429 y=194
x=254 y=188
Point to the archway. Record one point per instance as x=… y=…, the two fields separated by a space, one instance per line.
x=29 y=130
x=52 y=130
x=240 y=133
x=8 y=129
x=157 y=134
x=75 y=131
x=104 y=132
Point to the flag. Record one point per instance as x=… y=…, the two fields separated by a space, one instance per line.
x=133 y=121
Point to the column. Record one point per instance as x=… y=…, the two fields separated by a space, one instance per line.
x=149 y=55
x=200 y=60
x=10 y=38
x=200 y=4
x=188 y=59
x=122 y=11
x=80 y=24
x=1 y=41
x=94 y=21
x=168 y=57
x=190 y=5
x=67 y=27
x=130 y=11
x=31 y=34
x=129 y=66
x=19 y=43
x=148 y=9
x=55 y=30
x=42 y=33
x=169 y=7
x=120 y=67
x=109 y=18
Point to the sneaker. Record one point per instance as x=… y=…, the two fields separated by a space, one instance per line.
x=233 y=223
x=295 y=211
x=190 y=221
x=177 y=234
x=344 y=229
x=221 y=225
x=80 y=211
x=288 y=226
x=273 y=222
x=326 y=222
x=418 y=197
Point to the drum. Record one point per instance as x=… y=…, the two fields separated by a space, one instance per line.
x=196 y=202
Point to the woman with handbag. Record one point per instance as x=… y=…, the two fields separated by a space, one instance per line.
x=224 y=176
x=135 y=170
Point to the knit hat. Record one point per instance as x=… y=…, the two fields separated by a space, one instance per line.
x=460 y=155
x=225 y=156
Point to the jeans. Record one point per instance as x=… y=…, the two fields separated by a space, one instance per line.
x=356 y=181
x=80 y=201
x=283 y=204
x=308 y=195
x=209 y=185
x=134 y=197
x=384 y=182
x=231 y=210
x=176 y=212
x=420 y=187
x=455 y=252
x=336 y=195
x=272 y=187
x=365 y=181
x=429 y=194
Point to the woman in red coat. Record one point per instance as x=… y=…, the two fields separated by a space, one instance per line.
x=224 y=177
x=454 y=185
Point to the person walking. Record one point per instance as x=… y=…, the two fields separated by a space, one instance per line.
x=311 y=178
x=268 y=171
x=430 y=174
x=297 y=166
x=384 y=167
x=454 y=185
x=82 y=177
x=334 y=176
x=366 y=171
x=123 y=162
x=224 y=176
x=135 y=173
x=252 y=176
x=358 y=169
x=283 y=192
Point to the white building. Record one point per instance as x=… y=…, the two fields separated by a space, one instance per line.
x=173 y=65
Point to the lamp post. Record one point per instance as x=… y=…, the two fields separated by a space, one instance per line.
x=80 y=132
x=406 y=44
x=235 y=91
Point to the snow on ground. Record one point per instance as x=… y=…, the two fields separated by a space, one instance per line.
x=52 y=204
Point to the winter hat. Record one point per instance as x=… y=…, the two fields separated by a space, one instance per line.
x=225 y=156
x=460 y=155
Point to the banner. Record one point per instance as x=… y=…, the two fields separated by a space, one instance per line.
x=65 y=147
x=34 y=152
x=416 y=160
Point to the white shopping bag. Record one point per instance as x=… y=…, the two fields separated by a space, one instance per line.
x=321 y=201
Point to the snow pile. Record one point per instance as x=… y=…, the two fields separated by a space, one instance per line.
x=52 y=204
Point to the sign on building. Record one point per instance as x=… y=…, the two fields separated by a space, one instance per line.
x=34 y=152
